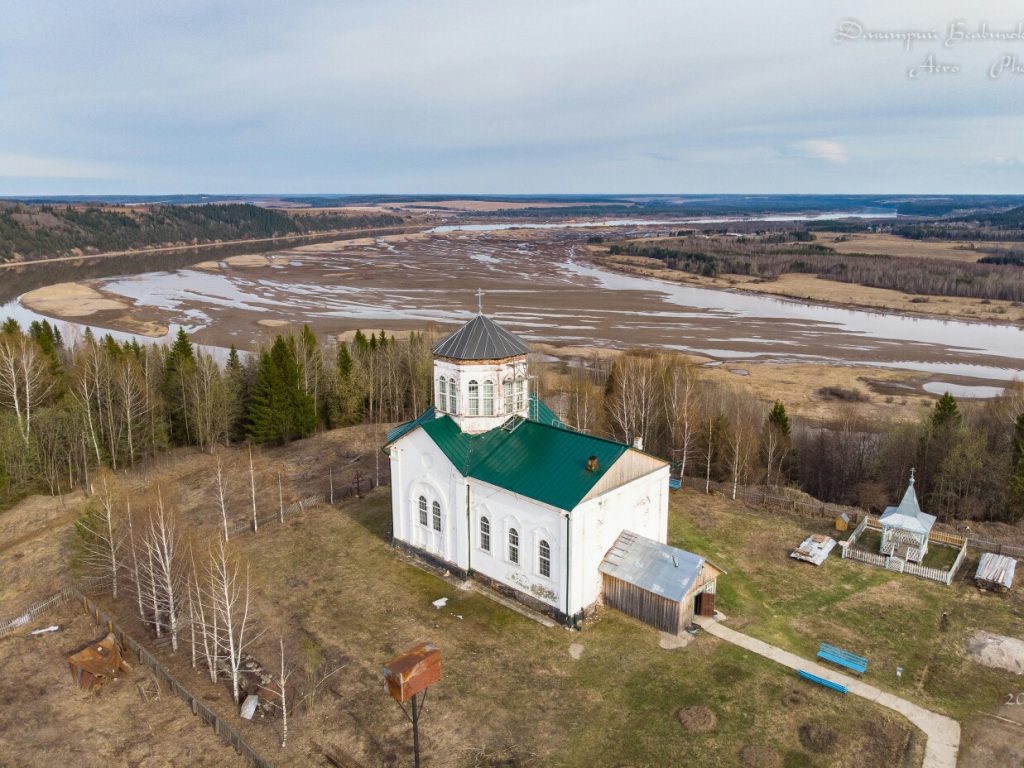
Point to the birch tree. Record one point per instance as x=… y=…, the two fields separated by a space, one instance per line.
x=635 y=396
x=682 y=409
x=163 y=544
x=101 y=535
x=230 y=600
x=25 y=378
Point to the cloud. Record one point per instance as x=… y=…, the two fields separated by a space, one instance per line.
x=819 y=149
x=14 y=166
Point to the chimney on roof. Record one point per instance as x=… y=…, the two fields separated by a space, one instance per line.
x=638 y=443
x=592 y=465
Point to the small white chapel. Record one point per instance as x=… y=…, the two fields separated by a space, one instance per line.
x=489 y=484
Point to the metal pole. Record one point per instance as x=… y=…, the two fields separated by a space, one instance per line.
x=416 y=731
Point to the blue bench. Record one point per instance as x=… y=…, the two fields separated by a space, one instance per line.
x=822 y=681
x=843 y=658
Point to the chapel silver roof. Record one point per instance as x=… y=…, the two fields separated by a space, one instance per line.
x=908 y=514
x=481 y=339
x=652 y=566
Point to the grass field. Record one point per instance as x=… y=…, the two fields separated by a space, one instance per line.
x=893 y=619
x=513 y=695
x=329 y=583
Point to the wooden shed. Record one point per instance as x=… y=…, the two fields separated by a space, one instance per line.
x=661 y=585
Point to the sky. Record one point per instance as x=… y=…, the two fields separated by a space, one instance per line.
x=520 y=97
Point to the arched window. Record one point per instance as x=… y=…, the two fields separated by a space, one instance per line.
x=506 y=388
x=423 y=510
x=485 y=534
x=488 y=398
x=474 y=398
x=544 y=558
x=520 y=394
x=442 y=393
x=453 y=400
x=513 y=545
x=436 y=509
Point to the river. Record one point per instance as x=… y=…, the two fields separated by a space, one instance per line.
x=540 y=284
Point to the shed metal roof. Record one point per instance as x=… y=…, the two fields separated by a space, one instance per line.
x=996 y=569
x=481 y=339
x=654 y=567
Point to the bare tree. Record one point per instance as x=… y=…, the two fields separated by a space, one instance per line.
x=163 y=545
x=25 y=378
x=220 y=497
x=208 y=402
x=282 y=693
x=133 y=401
x=100 y=533
x=746 y=415
x=229 y=596
x=205 y=618
x=133 y=545
x=635 y=396
x=682 y=408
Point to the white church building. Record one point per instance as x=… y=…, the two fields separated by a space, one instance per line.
x=488 y=483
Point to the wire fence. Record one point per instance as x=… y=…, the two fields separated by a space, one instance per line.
x=765 y=496
x=251 y=526
x=44 y=605
x=165 y=678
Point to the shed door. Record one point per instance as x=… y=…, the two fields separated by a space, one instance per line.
x=704 y=604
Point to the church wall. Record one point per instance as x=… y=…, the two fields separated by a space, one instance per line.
x=420 y=468
x=640 y=506
x=534 y=522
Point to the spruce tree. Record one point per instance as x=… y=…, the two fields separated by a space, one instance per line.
x=778 y=418
x=946 y=413
x=1015 y=490
x=178 y=364
x=280 y=411
x=349 y=400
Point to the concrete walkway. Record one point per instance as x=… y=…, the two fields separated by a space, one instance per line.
x=943 y=733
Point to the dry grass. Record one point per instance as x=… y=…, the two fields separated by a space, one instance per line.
x=47 y=721
x=893 y=245
x=813 y=288
x=512 y=694
x=822 y=291
x=801 y=383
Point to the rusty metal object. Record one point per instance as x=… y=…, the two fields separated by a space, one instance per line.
x=96 y=662
x=411 y=672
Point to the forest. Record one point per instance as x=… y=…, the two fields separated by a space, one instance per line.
x=769 y=255
x=44 y=231
x=68 y=410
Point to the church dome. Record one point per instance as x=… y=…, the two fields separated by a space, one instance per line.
x=481 y=339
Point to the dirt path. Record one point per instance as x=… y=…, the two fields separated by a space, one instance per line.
x=943 y=733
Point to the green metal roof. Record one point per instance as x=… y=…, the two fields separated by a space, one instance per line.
x=539 y=457
x=539 y=411
x=396 y=432
x=532 y=459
